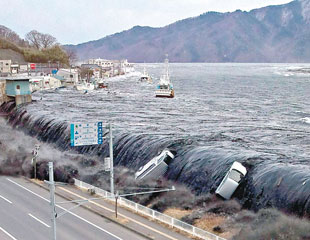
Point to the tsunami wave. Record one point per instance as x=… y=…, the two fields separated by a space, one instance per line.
x=270 y=182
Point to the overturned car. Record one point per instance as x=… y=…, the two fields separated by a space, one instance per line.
x=156 y=167
x=231 y=180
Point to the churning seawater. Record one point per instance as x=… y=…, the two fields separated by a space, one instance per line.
x=258 y=114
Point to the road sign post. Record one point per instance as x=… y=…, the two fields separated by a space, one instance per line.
x=90 y=134
x=52 y=199
x=111 y=160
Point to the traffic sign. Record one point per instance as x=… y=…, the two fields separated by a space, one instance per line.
x=33 y=66
x=86 y=134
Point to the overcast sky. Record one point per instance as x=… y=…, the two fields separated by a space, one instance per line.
x=77 y=21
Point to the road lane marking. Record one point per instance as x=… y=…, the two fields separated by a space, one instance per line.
x=124 y=216
x=73 y=214
x=7 y=233
x=5 y=199
x=38 y=220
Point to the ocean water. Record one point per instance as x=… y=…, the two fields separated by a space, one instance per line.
x=258 y=114
x=258 y=107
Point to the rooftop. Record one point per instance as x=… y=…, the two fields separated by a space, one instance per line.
x=17 y=79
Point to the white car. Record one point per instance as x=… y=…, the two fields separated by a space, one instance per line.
x=156 y=167
x=231 y=180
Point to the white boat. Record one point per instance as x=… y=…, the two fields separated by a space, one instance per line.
x=165 y=87
x=156 y=167
x=85 y=86
x=145 y=77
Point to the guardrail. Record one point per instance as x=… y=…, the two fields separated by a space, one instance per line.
x=151 y=213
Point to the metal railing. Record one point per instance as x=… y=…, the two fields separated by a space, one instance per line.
x=151 y=213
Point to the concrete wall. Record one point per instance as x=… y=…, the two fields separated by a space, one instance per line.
x=2 y=92
x=20 y=99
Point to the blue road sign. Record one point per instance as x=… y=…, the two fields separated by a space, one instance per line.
x=86 y=134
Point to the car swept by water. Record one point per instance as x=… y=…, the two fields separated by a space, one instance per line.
x=155 y=168
x=231 y=180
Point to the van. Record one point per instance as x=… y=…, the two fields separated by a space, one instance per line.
x=231 y=180
x=156 y=167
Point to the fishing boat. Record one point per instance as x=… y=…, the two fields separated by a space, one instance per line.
x=85 y=86
x=101 y=83
x=145 y=77
x=165 y=87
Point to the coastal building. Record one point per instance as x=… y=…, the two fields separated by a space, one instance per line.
x=8 y=67
x=18 y=89
x=94 y=68
x=23 y=67
x=44 y=82
x=5 y=66
x=126 y=66
x=70 y=76
x=14 y=68
x=104 y=63
x=111 y=68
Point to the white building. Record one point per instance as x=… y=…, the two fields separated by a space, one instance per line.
x=126 y=66
x=5 y=66
x=69 y=75
x=101 y=62
x=44 y=82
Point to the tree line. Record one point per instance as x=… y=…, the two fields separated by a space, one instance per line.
x=36 y=47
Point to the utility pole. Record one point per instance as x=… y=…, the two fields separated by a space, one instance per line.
x=52 y=199
x=116 y=198
x=34 y=159
x=111 y=160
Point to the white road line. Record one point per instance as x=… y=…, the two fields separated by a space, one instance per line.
x=83 y=219
x=7 y=233
x=38 y=220
x=124 y=216
x=5 y=199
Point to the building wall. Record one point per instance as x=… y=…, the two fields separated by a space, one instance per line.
x=5 y=66
x=11 y=89
x=20 y=99
x=72 y=76
x=2 y=92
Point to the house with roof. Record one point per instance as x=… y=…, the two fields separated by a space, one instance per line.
x=18 y=89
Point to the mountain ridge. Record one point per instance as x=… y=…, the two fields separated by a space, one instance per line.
x=276 y=33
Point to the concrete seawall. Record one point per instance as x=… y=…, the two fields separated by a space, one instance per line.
x=2 y=92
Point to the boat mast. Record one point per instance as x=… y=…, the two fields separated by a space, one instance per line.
x=144 y=70
x=167 y=67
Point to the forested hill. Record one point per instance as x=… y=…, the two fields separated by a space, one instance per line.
x=271 y=34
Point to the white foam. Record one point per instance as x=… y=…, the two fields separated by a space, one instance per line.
x=306 y=120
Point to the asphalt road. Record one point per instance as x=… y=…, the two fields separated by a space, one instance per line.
x=25 y=215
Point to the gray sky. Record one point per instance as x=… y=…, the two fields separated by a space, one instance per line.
x=77 y=21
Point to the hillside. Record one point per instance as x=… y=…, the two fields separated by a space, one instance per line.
x=11 y=54
x=21 y=50
x=270 y=34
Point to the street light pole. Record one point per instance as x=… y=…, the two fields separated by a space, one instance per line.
x=34 y=159
x=111 y=160
x=52 y=199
